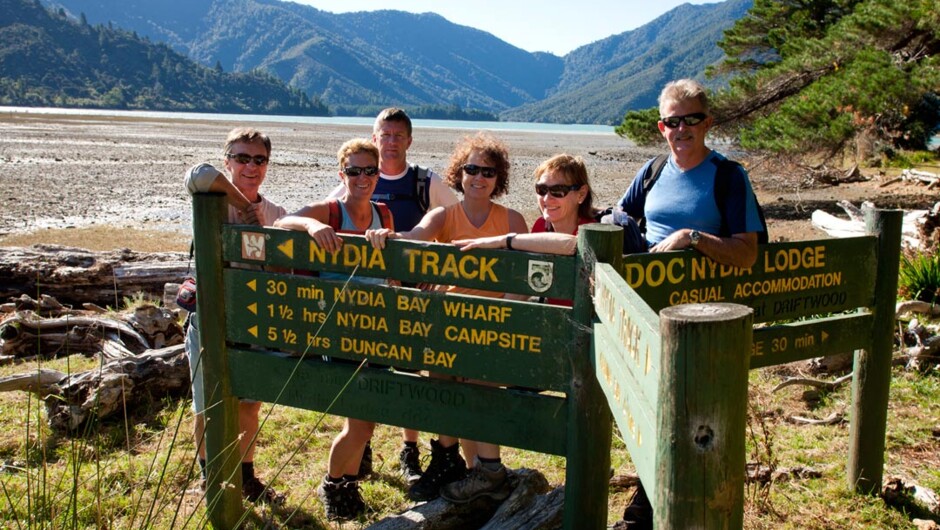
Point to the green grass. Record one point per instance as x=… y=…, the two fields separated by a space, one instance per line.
x=135 y=474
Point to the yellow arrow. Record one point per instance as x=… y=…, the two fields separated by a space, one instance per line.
x=254 y=331
x=824 y=336
x=253 y=308
x=287 y=248
x=253 y=285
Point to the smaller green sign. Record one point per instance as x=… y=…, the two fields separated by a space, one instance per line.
x=788 y=281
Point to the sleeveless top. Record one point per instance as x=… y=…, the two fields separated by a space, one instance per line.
x=348 y=227
x=458 y=226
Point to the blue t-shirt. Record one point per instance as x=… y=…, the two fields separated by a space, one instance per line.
x=686 y=199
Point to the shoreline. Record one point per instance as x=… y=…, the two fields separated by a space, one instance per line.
x=81 y=170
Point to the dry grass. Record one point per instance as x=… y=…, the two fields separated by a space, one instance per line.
x=102 y=238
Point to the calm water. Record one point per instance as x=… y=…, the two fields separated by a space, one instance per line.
x=332 y=120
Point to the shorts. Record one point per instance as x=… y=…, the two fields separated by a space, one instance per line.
x=194 y=352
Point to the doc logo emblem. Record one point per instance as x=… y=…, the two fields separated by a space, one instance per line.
x=253 y=246
x=541 y=275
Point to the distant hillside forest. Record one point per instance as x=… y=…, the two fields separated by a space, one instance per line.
x=47 y=59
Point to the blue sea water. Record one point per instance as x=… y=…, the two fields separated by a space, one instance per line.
x=330 y=120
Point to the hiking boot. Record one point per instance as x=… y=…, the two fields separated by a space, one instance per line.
x=256 y=491
x=446 y=466
x=409 y=464
x=341 y=500
x=365 y=465
x=638 y=515
x=481 y=482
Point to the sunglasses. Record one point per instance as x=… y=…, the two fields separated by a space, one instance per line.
x=474 y=170
x=243 y=158
x=353 y=171
x=559 y=191
x=689 y=119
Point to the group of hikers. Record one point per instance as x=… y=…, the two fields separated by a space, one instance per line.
x=700 y=201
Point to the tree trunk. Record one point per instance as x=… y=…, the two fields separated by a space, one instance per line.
x=75 y=276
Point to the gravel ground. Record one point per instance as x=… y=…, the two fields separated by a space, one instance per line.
x=79 y=171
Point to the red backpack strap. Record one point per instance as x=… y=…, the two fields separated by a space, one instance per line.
x=336 y=218
x=384 y=214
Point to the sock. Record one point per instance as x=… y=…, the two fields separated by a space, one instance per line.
x=492 y=464
x=202 y=467
x=413 y=445
x=332 y=480
x=248 y=471
x=350 y=478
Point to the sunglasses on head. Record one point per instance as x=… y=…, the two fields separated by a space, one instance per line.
x=474 y=170
x=353 y=171
x=689 y=119
x=559 y=191
x=243 y=158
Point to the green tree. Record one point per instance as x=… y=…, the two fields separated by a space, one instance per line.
x=640 y=126
x=811 y=76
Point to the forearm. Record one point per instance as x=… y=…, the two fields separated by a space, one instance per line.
x=735 y=251
x=546 y=243
x=297 y=222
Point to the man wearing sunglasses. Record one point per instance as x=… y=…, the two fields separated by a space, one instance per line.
x=697 y=202
x=409 y=191
x=700 y=200
x=247 y=152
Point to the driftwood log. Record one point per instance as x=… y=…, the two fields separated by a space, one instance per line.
x=531 y=506
x=119 y=386
x=26 y=334
x=75 y=276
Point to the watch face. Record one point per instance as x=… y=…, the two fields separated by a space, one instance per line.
x=694 y=237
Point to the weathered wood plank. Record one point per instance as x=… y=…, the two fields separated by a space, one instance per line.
x=788 y=281
x=507 y=417
x=513 y=343
x=492 y=270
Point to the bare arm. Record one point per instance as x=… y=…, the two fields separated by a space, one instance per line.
x=207 y=178
x=542 y=242
x=739 y=250
x=427 y=229
x=313 y=219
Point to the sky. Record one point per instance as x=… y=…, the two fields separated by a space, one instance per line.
x=556 y=26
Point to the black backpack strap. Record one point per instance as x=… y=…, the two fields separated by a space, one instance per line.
x=650 y=176
x=422 y=187
x=722 y=181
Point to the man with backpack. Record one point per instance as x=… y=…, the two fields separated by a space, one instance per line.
x=409 y=191
x=694 y=198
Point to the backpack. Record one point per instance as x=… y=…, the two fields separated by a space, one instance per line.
x=420 y=193
x=336 y=216
x=722 y=176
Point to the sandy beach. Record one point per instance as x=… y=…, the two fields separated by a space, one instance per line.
x=82 y=171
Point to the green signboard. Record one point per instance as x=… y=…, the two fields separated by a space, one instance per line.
x=627 y=350
x=493 y=270
x=515 y=343
x=816 y=338
x=515 y=418
x=788 y=281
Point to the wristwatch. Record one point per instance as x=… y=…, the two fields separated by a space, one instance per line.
x=509 y=237
x=694 y=237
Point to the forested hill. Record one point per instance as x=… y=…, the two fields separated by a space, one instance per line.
x=359 y=62
x=605 y=79
x=49 y=59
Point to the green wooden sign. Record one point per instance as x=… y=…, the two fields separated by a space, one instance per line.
x=514 y=343
x=493 y=270
x=519 y=419
x=816 y=338
x=627 y=349
x=788 y=281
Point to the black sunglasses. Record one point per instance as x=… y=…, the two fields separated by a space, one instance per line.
x=689 y=119
x=353 y=171
x=559 y=191
x=474 y=170
x=243 y=158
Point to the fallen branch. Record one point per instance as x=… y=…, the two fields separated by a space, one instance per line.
x=832 y=419
x=828 y=386
x=915 y=306
x=75 y=276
